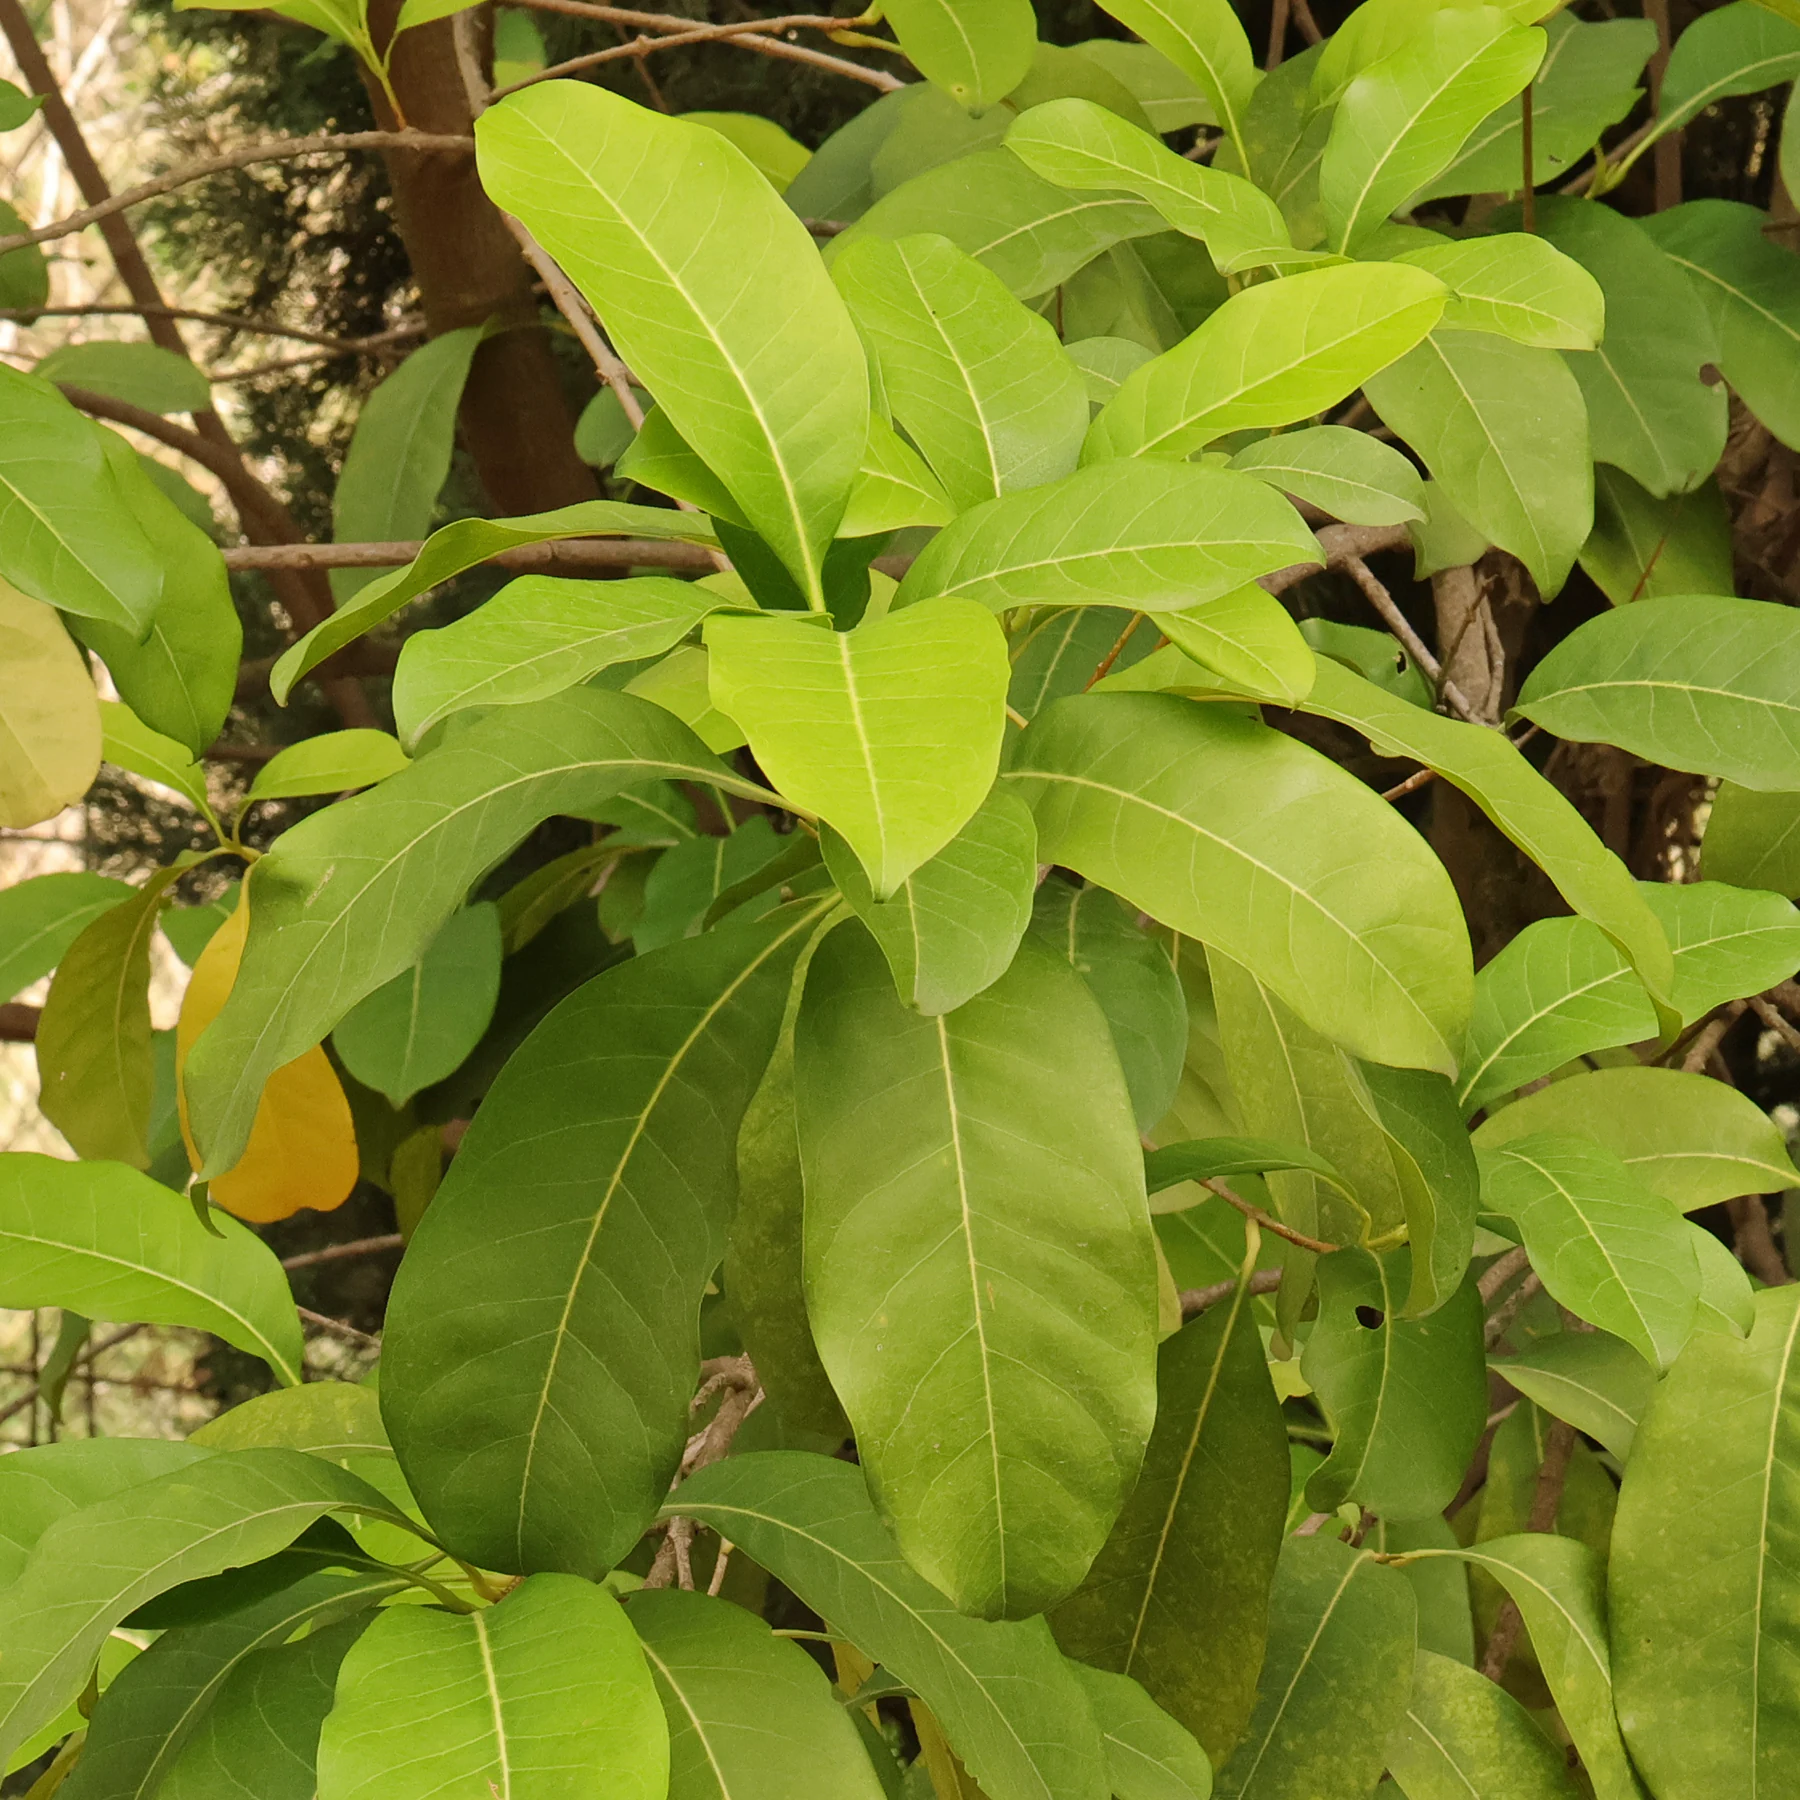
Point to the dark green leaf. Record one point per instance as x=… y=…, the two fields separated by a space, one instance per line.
x=1148 y=1755
x=1643 y=548
x=40 y=918
x=689 y=878
x=1463 y=1734
x=145 y=375
x=1591 y=1378
x=1753 y=839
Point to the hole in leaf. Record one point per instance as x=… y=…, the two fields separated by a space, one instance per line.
x=1371 y=1316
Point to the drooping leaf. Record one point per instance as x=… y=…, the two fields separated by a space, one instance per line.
x=333 y=763
x=1591 y=1378
x=1701 y=1580
x=548 y=1692
x=977 y=51
x=1753 y=839
x=1206 y=42
x=1353 y=476
x=1272 y=354
x=1002 y=1692
x=569 y=1320
x=41 y=917
x=1179 y=1597
x=1643 y=548
x=1148 y=1755
x=1463 y=1734
x=890 y=732
x=1162 y=801
x=734 y=327
x=978 y=380
x=49 y=716
x=1205 y=1159
x=1517 y=285
x=994 y=1232
x=1335 y=1680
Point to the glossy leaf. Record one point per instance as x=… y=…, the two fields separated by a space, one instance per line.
x=977 y=51
x=1248 y=637
x=570 y=1319
x=1335 y=1680
x=1272 y=354
x=978 y=380
x=49 y=716
x=1206 y=42
x=1463 y=1734
x=334 y=763
x=993 y=1232
x=1179 y=1597
x=1591 y=1378
x=1148 y=1756
x=1643 y=548
x=1349 y=474
x=1700 y=1581
x=1160 y=801
x=1002 y=1693
x=549 y=1692
x=751 y=1716
x=735 y=328
x=1519 y=286
x=890 y=732
x=1503 y=429
x=952 y=927
x=41 y=917
x=1753 y=839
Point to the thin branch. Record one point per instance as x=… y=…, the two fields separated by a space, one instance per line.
x=1106 y=662
x=86 y=1360
x=1515 y=1303
x=278 y=150
x=734 y=1377
x=1411 y=785
x=1776 y=1021
x=338 y=1326
x=1396 y=621
x=230 y=321
x=1278 y=30
x=1267 y=1221
x=1709 y=1037
x=371 y=1246
x=1500 y=1271
x=18 y=1023
x=565 y=553
x=1195 y=1301
x=1335 y=543
x=1546 y=1499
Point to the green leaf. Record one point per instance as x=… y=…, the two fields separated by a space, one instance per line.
x=1271 y=355
x=1148 y=1755
x=1033 y=235
x=1591 y=1378
x=1407 y=1398
x=1519 y=286
x=952 y=927
x=145 y=375
x=110 y=1243
x=1200 y=1159
x=49 y=716
x=1403 y=119
x=1374 y=655
x=1082 y=146
x=1104 y=362
x=417 y=1028
x=1002 y=1693
x=462 y=544
x=709 y=287
x=325 y=925
x=1335 y=1680
x=24 y=273
x=1691 y=1139
x=94 y=1567
x=751 y=1716
x=1059 y=651
x=979 y=381
x=1463 y=1734
x=336 y=1419
x=977 y=51
x=1205 y=41
x=1349 y=474
x=889 y=732
x=1170 y=99
x=1649 y=411
x=1157 y=535
x=40 y=918
x=660 y=457
x=942 y=1276
x=1643 y=548
x=68 y=536
x=1179 y=1597
x=336 y=762
x=1604 y=1245
x=1696 y=682
x=1247 y=637
x=1165 y=803
x=548 y=1693
x=1727 y=1300
x=775 y=155
x=1743 y=48
x=569 y=1318
x=1700 y=1580
x=1753 y=840
x=690 y=878
x=1440 y=1588
x=1526 y=807
x=1749 y=289
x=1133 y=979
x=1503 y=429
x=132 y=745
x=17 y=107
x=893 y=489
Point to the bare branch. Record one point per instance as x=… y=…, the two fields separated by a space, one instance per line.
x=371 y=1246
x=566 y=553
x=1267 y=1221
x=1396 y=621
x=338 y=1327
x=230 y=321
x=1195 y=1301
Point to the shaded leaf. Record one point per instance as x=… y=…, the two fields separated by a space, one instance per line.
x=41 y=917
x=49 y=715
x=1591 y=1378
x=1753 y=839
x=1464 y=1734
x=1351 y=475
x=1204 y=41
x=1643 y=548
x=1148 y=1756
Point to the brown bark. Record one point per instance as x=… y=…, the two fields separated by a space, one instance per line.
x=515 y=420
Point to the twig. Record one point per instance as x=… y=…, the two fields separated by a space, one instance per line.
x=1118 y=649
x=1214 y=1184
x=1278 y=30
x=86 y=1360
x=735 y=1378
x=563 y=553
x=19 y=1023
x=1195 y=1301
x=720 y=1565
x=338 y=1326
x=230 y=321
x=1581 y=183
x=1553 y=1472
x=1499 y=1272
x=278 y=150
x=1755 y=1242
x=1708 y=1038
x=370 y=1246
x=1776 y=1021
x=1335 y=542
x=1396 y=621
x=1309 y=26
x=1411 y=785
x=1515 y=1303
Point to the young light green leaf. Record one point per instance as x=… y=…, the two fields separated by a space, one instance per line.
x=893 y=488
x=110 y=1243
x=940 y=1278
x=1604 y=1245
x=751 y=1716
x=952 y=927
x=1702 y=1589
x=1148 y=1755
x=1753 y=840
x=1002 y=1693
x=1204 y=40
x=1157 y=535
x=1463 y=1734
x=1696 y=682
x=50 y=742
x=1163 y=802
x=1591 y=1378
x=1519 y=286
x=1403 y=119
x=131 y=744
x=1272 y=354
x=611 y=1140
x=1170 y=99
x=890 y=732
x=1349 y=474
x=977 y=51
x=325 y=928
x=462 y=544
x=777 y=157
x=1247 y=637
x=978 y=380
x=40 y=918
x=734 y=327
x=1503 y=429
x=1643 y=548
x=549 y=1692
x=1742 y=48
x=1334 y=1683
x=1179 y=1597
x=334 y=763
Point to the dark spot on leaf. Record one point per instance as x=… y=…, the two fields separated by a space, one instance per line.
x=1371 y=1316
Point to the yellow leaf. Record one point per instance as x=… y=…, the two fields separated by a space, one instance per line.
x=302 y=1149
x=49 y=713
